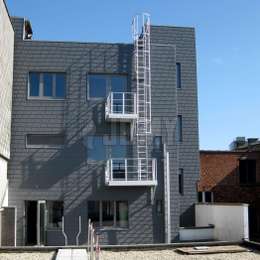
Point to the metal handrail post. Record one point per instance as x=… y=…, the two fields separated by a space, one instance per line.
x=79 y=232
x=63 y=232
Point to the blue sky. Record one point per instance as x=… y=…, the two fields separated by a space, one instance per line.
x=228 y=49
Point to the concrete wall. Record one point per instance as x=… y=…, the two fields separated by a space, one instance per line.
x=6 y=79
x=230 y=220
x=70 y=174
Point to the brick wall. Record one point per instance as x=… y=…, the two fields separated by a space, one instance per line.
x=220 y=174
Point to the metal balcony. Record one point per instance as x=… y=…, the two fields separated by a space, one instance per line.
x=121 y=106
x=131 y=172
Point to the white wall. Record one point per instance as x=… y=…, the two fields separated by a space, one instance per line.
x=230 y=220
x=196 y=234
x=3 y=182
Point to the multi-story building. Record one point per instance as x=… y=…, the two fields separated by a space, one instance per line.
x=233 y=177
x=6 y=83
x=107 y=132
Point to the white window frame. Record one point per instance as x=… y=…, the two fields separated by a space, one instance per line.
x=41 y=86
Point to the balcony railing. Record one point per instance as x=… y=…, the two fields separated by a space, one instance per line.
x=121 y=106
x=131 y=172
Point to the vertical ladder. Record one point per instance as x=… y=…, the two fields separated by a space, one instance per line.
x=142 y=48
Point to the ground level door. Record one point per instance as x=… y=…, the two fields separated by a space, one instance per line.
x=35 y=222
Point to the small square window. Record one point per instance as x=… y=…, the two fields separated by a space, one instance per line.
x=157 y=142
x=159 y=207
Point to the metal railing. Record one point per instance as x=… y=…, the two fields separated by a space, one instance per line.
x=121 y=103
x=128 y=169
x=93 y=246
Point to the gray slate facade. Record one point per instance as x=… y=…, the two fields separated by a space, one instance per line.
x=70 y=174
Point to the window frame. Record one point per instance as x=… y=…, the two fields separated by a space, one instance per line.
x=48 y=227
x=115 y=226
x=41 y=86
x=44 y=146
x=108 y=85
x=203 y=196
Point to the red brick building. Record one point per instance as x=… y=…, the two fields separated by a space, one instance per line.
x=232 y=176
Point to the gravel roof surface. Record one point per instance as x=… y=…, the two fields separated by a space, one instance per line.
x=27 y=256
x=172 y=255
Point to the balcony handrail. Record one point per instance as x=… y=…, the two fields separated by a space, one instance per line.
x=131 y=169
x=124 y=107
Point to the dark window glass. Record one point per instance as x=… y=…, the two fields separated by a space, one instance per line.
x=159 y=207
x=47 y=85
x=199 y=196
x=247 y=171
x=60 y=85
x=55 y=214
x=120 y=146
x=34 y=81
x=118 y=83
x=119 y=169
x=47 y=140
x=96 y=149
x=180 y=181
x=122 y=214
x=157 y=142
x=93 y=212
x=208 y=196
x=179 y=128
x=97 y=86
x=178 y=75
x=107 y=213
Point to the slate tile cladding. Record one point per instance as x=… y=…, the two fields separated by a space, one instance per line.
x=68 y=174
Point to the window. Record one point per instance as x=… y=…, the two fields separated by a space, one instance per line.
x=205 y=196
x=200 y=199
x=159 y=207
x=99 y=85
x=108 y=213
x=208 y=196
x=47 y=85
x=157 y=142
x=179 y=128
x=54 y=214
x=247 y=171
x=34 y=82
x=102 y=147
x=178 y=75
x=45 y=140
x=93 y=212
x=181 y=182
